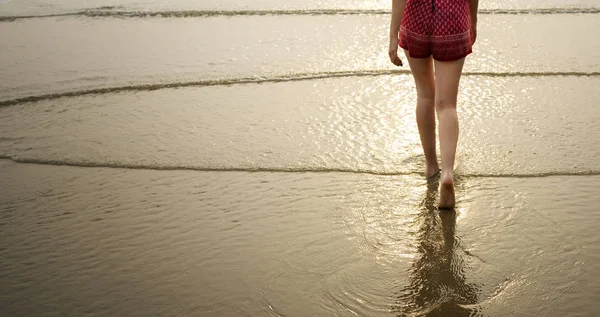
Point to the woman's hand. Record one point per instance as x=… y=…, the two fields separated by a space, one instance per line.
x=393 y=51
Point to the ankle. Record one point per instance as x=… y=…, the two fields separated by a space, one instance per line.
x=431 y=169
x=447 y=177
x=432 y=164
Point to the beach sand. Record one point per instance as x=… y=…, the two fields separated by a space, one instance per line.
x=250 y=164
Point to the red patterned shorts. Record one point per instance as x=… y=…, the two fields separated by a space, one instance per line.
x=441 y=28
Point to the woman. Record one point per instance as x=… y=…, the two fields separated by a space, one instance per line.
x=436 y=33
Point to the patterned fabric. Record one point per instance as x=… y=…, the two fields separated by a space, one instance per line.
x=441 y=28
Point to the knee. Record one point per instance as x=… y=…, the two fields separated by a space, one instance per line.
x=443 y=104
x=428 y=100
x=426 y=94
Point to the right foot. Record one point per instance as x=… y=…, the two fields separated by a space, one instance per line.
x=447 y=199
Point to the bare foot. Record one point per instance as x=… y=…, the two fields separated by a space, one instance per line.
x=431 y=170
x=447 y=199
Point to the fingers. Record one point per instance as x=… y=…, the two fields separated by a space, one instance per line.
x=394 y=58
x=398 y=61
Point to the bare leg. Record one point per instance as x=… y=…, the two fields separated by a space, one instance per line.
x=422 y=70
x=447 y=78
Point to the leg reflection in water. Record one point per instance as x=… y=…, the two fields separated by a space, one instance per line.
x=438 y=285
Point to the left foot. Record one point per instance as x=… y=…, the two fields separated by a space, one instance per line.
x=431 y=170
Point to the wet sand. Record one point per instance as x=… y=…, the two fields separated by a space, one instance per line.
x=155 y=243
x=223 y=163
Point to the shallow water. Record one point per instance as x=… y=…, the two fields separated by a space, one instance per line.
x=262 y=159
x=76 y=55
x=44 y=7
x=352 y=124
x=137 y=242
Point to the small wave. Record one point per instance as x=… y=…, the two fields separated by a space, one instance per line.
x=260 y=80
x=8 y=138
x=24 y=17
x=109 y=11
x=110 y=7
x=159 y=167
x=538 y=11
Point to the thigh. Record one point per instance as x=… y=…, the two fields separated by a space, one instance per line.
x=447 y=79
x=422 y=71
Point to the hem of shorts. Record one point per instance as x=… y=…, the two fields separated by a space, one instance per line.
x=453 y=57
x=442 y=59
x=410 y=54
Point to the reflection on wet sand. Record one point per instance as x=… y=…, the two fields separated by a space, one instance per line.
x=438 y=285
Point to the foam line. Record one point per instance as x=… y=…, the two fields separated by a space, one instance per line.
x=260 y=80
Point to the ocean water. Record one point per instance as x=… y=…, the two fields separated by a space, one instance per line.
x=261 y=158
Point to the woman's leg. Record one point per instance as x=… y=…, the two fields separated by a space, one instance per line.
x=422 y=70
x=447 y=78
